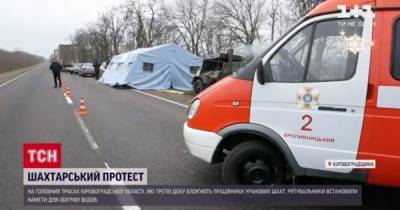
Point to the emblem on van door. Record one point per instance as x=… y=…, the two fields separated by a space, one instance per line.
x=307 y=97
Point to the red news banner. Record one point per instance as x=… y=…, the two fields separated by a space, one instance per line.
x=47 y=155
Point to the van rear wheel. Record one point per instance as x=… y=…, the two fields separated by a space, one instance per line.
x=254 y=163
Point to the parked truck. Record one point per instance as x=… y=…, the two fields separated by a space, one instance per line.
x=67 y=55
x=215 y=68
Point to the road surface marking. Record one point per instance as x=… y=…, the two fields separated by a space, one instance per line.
x=130 y=207
x=160 y=98
x=106 y=164
x=118 y=197
x=69 y=101
x=95 y=147
x=86 y=131
x=83 y=126
x=17 y=77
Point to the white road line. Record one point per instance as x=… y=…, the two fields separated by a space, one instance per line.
x=17 y=77
x=106 y=164
x=131 y=208
x=131 y=200
x=160 y=98
x=94 y=146
x=86 y=131
x=69 y=101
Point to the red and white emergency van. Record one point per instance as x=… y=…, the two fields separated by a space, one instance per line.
x=323 y=100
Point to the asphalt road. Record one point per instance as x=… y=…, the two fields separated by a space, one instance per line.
x=131 y=130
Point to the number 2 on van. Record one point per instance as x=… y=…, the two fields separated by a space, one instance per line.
x=327 y=90
x=308 y=120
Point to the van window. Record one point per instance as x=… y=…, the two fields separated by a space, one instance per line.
x=396 y=51
x=333 y=57
x=148 y=67
x=289 y=63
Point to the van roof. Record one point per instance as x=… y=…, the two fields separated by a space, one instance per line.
x=332 y=5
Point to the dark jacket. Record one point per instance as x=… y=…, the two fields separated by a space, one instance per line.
x=96 y=66
x=55 y=67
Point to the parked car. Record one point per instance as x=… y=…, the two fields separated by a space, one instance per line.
x=75 y=68
x=67 y=69
x=87 y=69
x=322 y=101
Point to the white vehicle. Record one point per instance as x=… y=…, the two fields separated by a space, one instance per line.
x=86 y=69
x=75 y=68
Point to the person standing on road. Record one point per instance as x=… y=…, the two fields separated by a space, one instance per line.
x=96 y=66
x=56 y=68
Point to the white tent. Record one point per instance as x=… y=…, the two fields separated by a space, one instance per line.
x=162 y=67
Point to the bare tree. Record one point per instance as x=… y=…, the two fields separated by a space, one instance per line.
x=189 y=18
x=204 y=27
x=216 y=37
x=273 y=13
x=243 y=18
x=81 y=39
x=301 y=7
x=103 y=29
x=118 y=23
x=94 y=40
x=130 y=36
x=147 y=23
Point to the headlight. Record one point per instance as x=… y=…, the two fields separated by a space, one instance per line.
x=193 y=109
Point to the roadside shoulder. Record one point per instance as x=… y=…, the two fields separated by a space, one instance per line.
x=10 y=75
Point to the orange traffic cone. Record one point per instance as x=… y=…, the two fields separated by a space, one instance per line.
x=68 y=92
x=82 y=108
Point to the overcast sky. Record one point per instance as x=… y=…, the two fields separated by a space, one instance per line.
x=39 y=26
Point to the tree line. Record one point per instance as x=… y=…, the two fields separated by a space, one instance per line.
x=204 y=27
x=17 y=59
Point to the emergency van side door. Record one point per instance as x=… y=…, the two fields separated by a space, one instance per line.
x=317 y=95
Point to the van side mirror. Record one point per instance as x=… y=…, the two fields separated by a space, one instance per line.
x=264 y=74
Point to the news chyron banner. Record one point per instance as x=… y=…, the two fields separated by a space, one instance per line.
x=47 y=183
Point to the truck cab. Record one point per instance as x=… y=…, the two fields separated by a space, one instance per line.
x=323 y=100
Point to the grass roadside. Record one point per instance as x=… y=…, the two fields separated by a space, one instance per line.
x=5 y=76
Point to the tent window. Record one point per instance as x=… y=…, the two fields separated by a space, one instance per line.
x=149 y=67
x=194 y=69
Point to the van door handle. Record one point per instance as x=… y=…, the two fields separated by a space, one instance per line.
x=332 y=109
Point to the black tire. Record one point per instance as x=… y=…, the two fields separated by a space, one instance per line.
x=254 y=163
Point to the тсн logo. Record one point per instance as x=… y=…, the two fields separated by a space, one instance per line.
x=46 y=155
